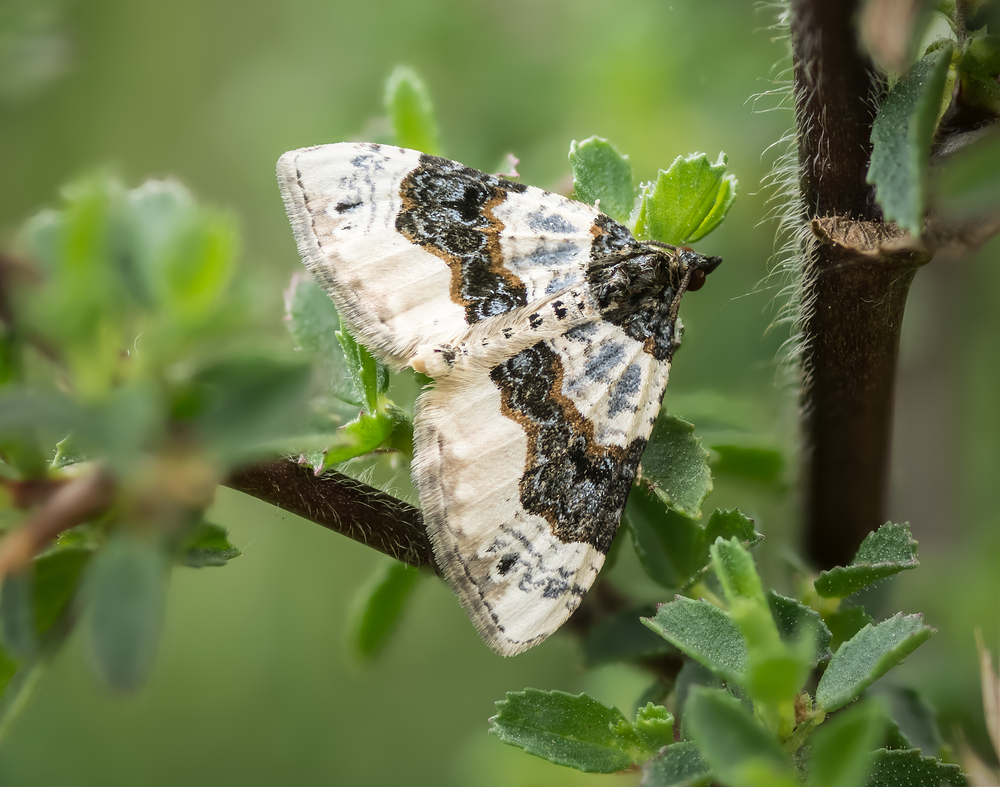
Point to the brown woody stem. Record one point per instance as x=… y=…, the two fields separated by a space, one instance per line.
x=68 y=505
x=342 y=504
x=854 y=290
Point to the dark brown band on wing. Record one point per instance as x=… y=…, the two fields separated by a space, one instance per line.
x=448 y=210
x=575 y=483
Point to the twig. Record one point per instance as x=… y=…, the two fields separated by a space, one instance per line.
x=70 y=505
x=853 y=294
x=342 y=504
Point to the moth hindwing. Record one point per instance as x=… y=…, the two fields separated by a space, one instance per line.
x=548 y=331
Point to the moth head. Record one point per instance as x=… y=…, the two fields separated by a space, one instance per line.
x=698 y=265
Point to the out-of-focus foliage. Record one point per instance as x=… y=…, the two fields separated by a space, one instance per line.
x=211 y=94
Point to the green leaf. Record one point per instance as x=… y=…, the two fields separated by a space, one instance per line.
x=207 y=545
x=370 y=378
x=795 y=620
x=845 y=623
x=411 y=113
x=57 y=576
x=654 y=726
x=871 y=653
x=314 y=323
x=576 y=731
x=672 y=548
x=687 y=201
x=842 y=749
x=739 y=751
x=705 y=633
x=126 y=589
x=660 y=689
x=678 y=765
x=122 y=424
x=622 y=637
x=735 y=569
x=68 y=452
x=8 y=668
x=31 y=422
x=33 y=600
x=601 y=173
x=246 y=401
x=691 y=676
x=730 y=524
x=676 y=466
x=17 y=614
x=82 y=305
x=184 y=252
x=978 y=66
x=964 y=184
x=379 y=606
x=754 y=462
x=776 y=669
x=156 y=214
x=885 y=552
x=389 y=427
x=775 y=677
x=903 y=768
x=17 y=683
x=901 y=140
x=914 y=718
x=668 y=544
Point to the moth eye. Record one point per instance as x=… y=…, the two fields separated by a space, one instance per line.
x=697 y=280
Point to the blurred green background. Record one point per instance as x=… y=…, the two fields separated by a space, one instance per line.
x=253 y=684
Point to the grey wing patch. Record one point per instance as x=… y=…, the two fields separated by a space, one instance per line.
x=572 y=480
x=610 y=377
x=547 y=241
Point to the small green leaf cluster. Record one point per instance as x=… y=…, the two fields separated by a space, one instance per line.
x=579 y=731
x=132 y=379
x=748 y=655
x=352 y=377
x=684 y=203
x=952 y=76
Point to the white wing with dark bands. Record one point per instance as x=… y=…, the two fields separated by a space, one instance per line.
x=415 y=249
x=524 y=469
x=543 y=398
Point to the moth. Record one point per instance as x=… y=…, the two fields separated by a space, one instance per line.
x=548 y=331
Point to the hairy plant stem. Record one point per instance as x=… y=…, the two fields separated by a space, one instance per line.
x=342 y=504
x=853 y=293
x=388 y=525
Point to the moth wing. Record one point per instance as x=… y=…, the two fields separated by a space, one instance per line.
x=415 y=249
x=524 y=469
